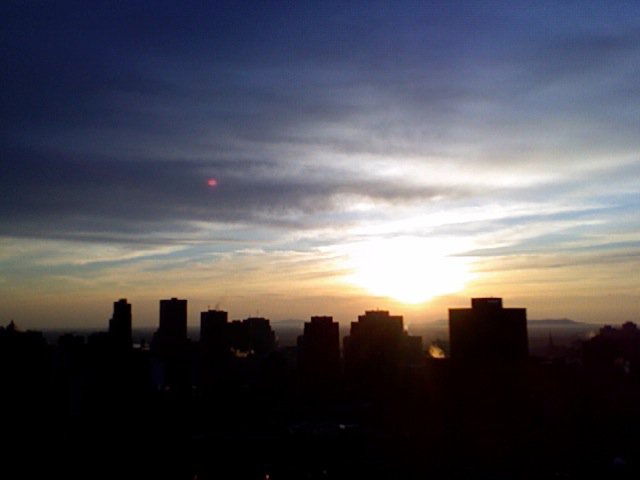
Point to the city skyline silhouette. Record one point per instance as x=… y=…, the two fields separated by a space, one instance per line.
x=373 y=403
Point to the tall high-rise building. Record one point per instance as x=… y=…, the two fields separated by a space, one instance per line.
x=319 y=349
x=171 y=336
x=614 y=349
x=488 y=332
x=251 y=336
x=173 y=319
x=262 y=338
x=378 y=341
x=214 y=335
x=171 y=344
x=120 y=324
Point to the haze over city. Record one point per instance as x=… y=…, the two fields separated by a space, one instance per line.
x=296 y=159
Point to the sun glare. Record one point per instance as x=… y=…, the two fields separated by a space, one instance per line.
x=407 y=269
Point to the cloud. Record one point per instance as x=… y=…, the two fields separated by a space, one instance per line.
x=60 y=195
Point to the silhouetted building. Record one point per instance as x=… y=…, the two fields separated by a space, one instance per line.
x=319 y=349
x=24 y=372
x=262 y=338
x=173 y=318
x=120 y=324
x=238 y=337
x=71 y=342
x=100 y=342
x=171 y=345
x=251 y=336
x=171 y=336
x=378 y=343
x=487 y=331
x=214 y=331
x=614 y=349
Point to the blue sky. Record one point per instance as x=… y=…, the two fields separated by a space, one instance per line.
x=500 y=134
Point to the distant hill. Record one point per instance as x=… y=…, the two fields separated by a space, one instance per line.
x=290 y=323
x=559 y=322
x=541 y=323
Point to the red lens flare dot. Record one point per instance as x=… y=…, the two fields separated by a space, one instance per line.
x=212 y=182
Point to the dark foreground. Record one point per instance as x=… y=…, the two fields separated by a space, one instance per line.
x=82 y=411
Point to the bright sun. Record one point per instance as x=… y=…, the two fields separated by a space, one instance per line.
x=407 y=269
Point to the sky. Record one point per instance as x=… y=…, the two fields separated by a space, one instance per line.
x=289 y=159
